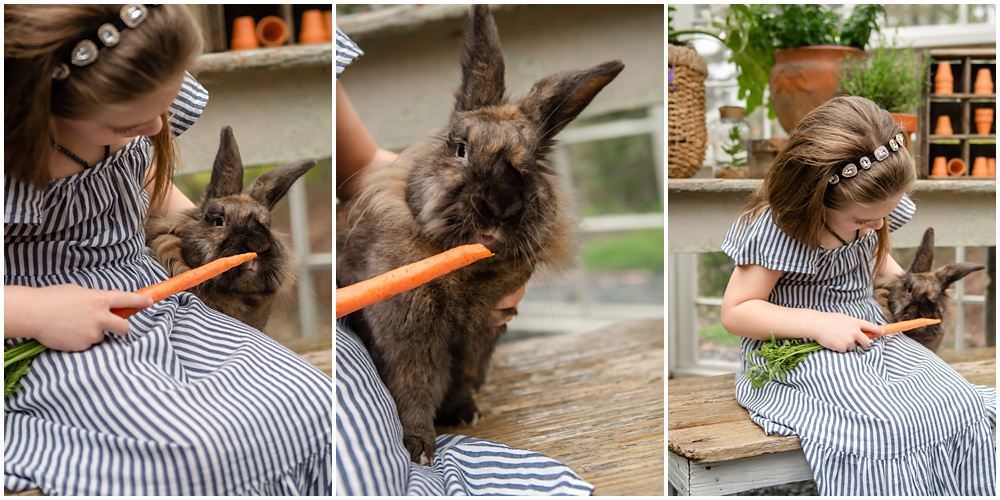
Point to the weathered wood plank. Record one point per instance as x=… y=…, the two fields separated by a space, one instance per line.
x=593 y=401
x=707 y=425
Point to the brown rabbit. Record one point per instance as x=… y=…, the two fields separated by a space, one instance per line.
x=230 y=222
x=922 y=293
x=483 y=179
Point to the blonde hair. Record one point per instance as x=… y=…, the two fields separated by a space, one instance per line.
x=38 y=37
x=838 y=132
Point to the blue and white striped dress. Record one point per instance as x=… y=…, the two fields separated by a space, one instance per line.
x=371 y=458
x=892 y=419
x=190 y=401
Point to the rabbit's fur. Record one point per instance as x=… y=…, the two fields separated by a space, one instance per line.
x=481 y=178
x=230 y=222
x=923 y=293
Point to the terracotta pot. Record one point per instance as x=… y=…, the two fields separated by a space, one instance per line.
x=244 y=36
x=909 y=124
x=804 y=78
x=943 y=126
x=956 y=167
x=984 y=120
x=328 y=24
x=984 y=82
x=991 y=166
x=312 y=30
x=940 y=168
x=979 y=168
x=272 y=31
x=944 y=82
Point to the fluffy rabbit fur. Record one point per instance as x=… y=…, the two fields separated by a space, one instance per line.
x=481 y=178
x=923 y=293
x=230 y=222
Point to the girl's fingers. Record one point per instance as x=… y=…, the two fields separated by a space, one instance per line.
x=118 y=299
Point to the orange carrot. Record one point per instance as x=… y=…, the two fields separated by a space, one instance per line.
x=185 y=280
x=902 y=326
x=365 y=293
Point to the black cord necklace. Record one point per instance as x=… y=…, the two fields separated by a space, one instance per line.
x=107 y=153
x=834 y=233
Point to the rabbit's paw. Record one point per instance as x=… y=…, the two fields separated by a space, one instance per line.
x=463 y=414
x=421 y=447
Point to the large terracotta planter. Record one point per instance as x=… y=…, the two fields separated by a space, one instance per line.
x=804 y=78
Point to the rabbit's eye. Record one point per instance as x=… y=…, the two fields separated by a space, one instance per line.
x=460 y=150
x=219 y=221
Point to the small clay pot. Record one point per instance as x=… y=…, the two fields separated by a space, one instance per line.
x=943 y=126
x=944 y=82
x=940 y=168
x=991 y=166
x=272 y=31
x=984 y=82
x=244 y=36
x=956 y=167
x=984 y=120
x=311 y=30
x=979 y=168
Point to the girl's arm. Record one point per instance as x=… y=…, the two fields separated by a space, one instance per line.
x=747 y=313
x=174 y=201
x=66 y=317
x=356 y=149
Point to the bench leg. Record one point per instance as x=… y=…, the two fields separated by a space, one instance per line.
x=724 y=478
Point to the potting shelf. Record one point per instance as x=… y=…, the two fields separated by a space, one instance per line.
x=964 y=143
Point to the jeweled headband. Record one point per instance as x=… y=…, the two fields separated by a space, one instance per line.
x=108 y=34
x=881 y=153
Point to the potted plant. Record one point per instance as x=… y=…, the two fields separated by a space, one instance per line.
x=687 y=134
x=795 y=50
x=892 y=77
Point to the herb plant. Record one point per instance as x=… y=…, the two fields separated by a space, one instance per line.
x=16 y=362
x=778 y=358
x=891 y=77
x=735 y=148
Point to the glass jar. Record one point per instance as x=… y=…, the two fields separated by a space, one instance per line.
x=731 y=139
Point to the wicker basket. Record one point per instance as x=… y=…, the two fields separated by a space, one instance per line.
x=687 y=135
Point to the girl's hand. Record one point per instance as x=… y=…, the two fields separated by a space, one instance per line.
x=66 y=317
x=841 y=333
x=507 y=307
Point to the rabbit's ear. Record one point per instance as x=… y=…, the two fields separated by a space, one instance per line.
x=924 y=259
x=556 y=100
x=954 y=272
x=482 y=63
x=227 y=173
x=275 y=183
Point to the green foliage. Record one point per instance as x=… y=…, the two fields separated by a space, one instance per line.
x=717 y=334
x=892 y=77
x=735 y=148
x=633 y=250
x=16 y=363
x=778 y=358
x=753 y=32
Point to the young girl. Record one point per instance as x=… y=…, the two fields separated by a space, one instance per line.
x=875 y=417
x=179 y=399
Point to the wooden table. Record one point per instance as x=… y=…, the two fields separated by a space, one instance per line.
x=715 y=449
x=593 y=401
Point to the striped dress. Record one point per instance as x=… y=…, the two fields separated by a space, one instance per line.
x=371 y=458
x=190 y=401
x=892 y=419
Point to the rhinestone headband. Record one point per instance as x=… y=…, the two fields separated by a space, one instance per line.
x=881 y=153
x=108 y=34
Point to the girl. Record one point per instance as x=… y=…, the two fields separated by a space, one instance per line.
x=875 y=417
x=180 y=399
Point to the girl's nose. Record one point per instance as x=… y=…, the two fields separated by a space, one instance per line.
x=875 y=225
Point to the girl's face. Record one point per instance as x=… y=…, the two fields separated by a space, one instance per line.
x=860 y=217
x=120 y=123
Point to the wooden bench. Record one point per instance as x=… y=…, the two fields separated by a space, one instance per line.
x=592 y=400
x=715 y=449
x=319 y=352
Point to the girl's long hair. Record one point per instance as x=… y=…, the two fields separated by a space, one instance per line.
x=838 y=132
x=38 y=37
